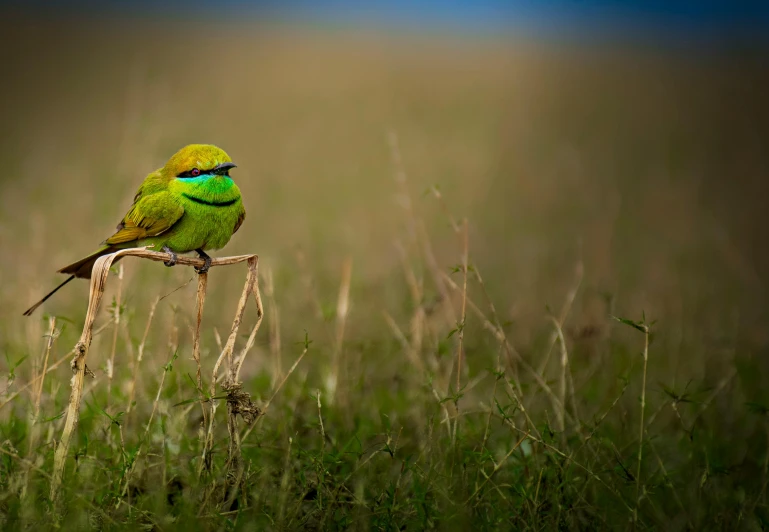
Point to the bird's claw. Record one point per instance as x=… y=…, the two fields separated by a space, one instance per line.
x=206 y=262
x=172 y=260
x=204 y=269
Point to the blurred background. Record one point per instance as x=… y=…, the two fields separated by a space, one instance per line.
x=628 y=141
x=635 y=130
x=632 y=135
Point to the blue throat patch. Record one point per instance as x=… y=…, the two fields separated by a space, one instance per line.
x=201 y=179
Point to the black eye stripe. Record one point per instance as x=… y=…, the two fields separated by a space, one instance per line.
x=188 y=173
x=202 y=173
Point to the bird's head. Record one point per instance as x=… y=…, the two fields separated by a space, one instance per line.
x=198 y=160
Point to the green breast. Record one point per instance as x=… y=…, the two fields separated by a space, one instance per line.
x=212 y=207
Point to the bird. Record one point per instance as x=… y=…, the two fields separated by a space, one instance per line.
x=190 y=204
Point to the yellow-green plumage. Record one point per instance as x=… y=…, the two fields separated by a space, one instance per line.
x=191 y=204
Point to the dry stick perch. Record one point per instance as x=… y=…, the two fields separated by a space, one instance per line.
x=98 y=283
x=200 y=302
x=237 y=401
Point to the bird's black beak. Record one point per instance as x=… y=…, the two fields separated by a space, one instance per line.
x=223 y=168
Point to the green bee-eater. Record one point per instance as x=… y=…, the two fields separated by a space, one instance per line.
x=191 y=204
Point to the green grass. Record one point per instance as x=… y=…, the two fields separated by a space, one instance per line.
x=595 y=184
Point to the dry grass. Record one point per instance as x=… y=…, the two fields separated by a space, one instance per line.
x=237 y=403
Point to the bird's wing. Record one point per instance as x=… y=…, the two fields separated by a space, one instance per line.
x=150 y=215
x=241 y=217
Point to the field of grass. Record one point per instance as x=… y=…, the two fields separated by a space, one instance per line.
x=445 y=229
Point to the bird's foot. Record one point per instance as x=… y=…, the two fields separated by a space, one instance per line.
x=172 y=260
x=206 y=261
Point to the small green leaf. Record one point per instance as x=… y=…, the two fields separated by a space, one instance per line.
x=634 y=324
x=497 y=373
x=54 y=418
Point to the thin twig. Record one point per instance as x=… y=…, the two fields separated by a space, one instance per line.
x=493 y=397
x=461 y=332
x=565 y=309
x=35 y=430
x=497 y=467
x=413 y=356
x=600 y=420
x=253 y=266
x=669 y=484
x=49 y=344
x=511 y=352
x=564 y=369
x=569 y=459
x=461 y=326
x=166 y=369
x=322 y=430
x=641 y=424
x=140 y=354
x=322 y=444
x=26 y=462
x=274 y=323
x=274 y=393
x=50 y=369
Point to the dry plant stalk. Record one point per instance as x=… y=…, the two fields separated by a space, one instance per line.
x=564 y=368
x=99 y=276
x=497 y=467
x=238 y=402
x=173 y=347
x=641 y=430
x=274 y=322
x=461 y=326
x=115 y=331
x=342 y=307
x=35 y=432
x=510 y=351
x=412 y=353
x=140 y=354
x=277 y=389
x=418 y=320
x=418 y=234
x=52 y=367
x=565 y=309
x=416 y=227
x=200 y=300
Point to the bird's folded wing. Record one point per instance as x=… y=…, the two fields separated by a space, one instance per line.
x=149 y=216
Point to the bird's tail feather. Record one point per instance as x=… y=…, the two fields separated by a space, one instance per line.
x=31 y=309
x=81 y=268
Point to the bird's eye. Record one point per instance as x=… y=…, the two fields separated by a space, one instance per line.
x=195 y=172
